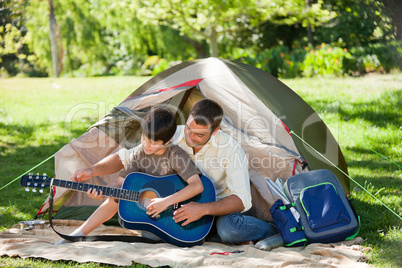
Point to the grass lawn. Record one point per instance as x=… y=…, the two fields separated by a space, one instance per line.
x=39 y=116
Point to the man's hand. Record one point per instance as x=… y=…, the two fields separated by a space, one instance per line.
x=188 y=213
x=194 y=211
x=81 y=175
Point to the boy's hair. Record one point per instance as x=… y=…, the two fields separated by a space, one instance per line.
x=159 y=125
x=207 y=112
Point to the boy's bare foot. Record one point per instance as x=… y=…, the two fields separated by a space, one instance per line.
x=64 y=241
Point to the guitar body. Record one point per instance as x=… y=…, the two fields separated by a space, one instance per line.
x=132 y=215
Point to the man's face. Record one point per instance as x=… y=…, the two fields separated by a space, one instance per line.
x=197 y=135
x=152 y=147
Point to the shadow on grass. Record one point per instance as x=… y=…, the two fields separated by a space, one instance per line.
x=375 y=163
x=374 y=232
x=389 y=103
x=15 y=132
x=377 y=176
x=23 y=147
x=375 y=166
x=376 y=220
x=20 y=204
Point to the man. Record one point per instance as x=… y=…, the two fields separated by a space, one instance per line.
x=221 y=159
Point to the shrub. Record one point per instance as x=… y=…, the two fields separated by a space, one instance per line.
x=389 y=55
x=160 y=66
x=278 y=61
x=375 y=58
x=325 y=60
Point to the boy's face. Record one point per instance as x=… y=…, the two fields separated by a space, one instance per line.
x=152 y=147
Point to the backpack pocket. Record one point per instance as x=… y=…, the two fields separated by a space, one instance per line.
x=291 y=230
x=323 y=207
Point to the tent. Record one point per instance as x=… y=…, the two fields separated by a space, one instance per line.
x=259 y=112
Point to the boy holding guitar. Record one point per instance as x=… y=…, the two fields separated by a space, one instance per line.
x=155 y=156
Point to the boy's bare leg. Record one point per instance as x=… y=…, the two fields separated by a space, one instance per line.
x=103 y=213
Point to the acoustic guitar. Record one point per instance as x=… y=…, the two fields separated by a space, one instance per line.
x=136 y=194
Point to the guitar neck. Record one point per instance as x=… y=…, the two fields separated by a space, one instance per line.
x=106 y=191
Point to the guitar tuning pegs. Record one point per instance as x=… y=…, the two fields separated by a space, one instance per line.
x=34 y=190
x=27 y=189
x=41 y=191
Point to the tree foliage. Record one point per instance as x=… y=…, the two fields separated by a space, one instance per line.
x=215 y=19
x=359 y=22
x=102 y=37
x=15 y=55
x=97 y=37
x=12 y=30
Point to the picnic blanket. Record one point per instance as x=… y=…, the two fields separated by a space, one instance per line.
x=38 y=243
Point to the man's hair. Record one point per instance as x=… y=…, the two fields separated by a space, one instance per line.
x=159 y=124
x=207 y=112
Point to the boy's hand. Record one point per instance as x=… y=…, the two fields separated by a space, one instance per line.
x=81 y=175
x=94 y=194
x=157 y=206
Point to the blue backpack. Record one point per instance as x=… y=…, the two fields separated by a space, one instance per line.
x=326 y=215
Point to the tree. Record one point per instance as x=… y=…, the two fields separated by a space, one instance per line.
x=358 y=23
x=53 y=40
x=394 y=8
x=309 y=31
x=12 y=35
x=100 y=37
x=212 y=19
x=78 y=39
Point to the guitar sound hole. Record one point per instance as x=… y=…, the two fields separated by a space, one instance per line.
x=146 y=197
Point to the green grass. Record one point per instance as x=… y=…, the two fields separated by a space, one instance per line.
x=365 y=114
x=39 y=116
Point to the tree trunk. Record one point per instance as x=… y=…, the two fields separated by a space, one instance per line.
x=201 y=52
x=395 y=8
x=53 y=40
x=310 y=35
x=309 y=31
x=61 y=51
x=213 y=44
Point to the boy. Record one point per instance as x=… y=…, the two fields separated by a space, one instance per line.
x=155 y=156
